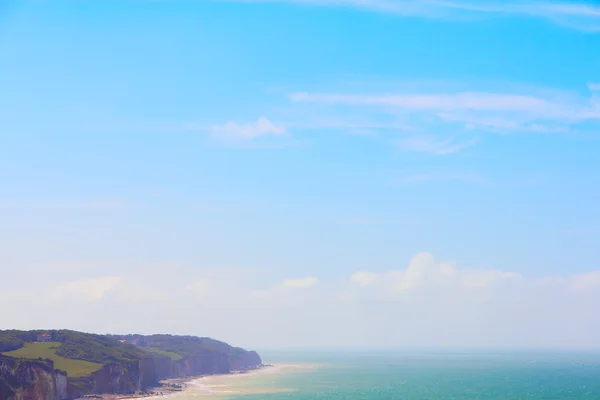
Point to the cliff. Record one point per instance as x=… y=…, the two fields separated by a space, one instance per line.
x=245 y=361
x=127 y=364
x=31 y=380
x=154 y=369
x=149 y=371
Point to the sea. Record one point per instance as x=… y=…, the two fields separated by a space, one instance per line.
x=396 y=375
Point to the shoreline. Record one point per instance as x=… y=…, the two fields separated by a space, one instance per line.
x=170 y=386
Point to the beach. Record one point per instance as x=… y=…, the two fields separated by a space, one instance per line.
x=221 y=386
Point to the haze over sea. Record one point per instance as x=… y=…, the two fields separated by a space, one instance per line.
x=413 y=376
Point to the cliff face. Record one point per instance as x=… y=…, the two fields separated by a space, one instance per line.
x=154 y=369
x=130 y=363
x=116 y=378
x=31 y=380
x=244 y=361
x=38 y=380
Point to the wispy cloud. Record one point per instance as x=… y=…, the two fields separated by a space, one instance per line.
x=572 y=15
x=500 y=123
x=536 y=107
x=252 y=130
x=499 y=112
x=87 y=289
x=286 y=287
x=406 y=118
x=593 y=86
x=454 y=101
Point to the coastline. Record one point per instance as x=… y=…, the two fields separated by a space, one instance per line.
x=173 y=386
x=260 y=381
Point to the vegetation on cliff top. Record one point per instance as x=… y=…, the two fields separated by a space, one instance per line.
x=187 y=344
x=89 y=347
x=96 y=348
x=171 y=355
x=12 y=340
x=49 y=351
x=127 y=359
x=175 y=347
x=105 y=349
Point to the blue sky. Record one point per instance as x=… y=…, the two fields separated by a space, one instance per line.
x=286 y=146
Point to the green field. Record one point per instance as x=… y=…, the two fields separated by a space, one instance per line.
x=47 y=350
x=171 y=355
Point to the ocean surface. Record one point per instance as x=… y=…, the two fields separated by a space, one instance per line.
x=411 y=376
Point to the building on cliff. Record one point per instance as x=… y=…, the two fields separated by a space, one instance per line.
x=44 y=337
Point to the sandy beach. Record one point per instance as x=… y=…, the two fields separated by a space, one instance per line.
x=254 y=382
x=220 y=386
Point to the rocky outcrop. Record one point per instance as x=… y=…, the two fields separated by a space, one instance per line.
x=115 y=378
x=31 y=380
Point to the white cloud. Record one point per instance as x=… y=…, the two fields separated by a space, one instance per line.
x=87 y=289
x=207 y=288
x=137 y=292
x=585 y=282
x=286 y=288
x=502 y=123
x=438 y=102
x=364 y=278
x=300 y=283
x=433 y=145
x=262 y=127
x=489 y=111
x=593 y=86
x=448 y=268
x=200 y=285
x=573 y=15
x=418 y=113
x=525 y=106
x=423 y=273
x=426 y=302
x=485 y=278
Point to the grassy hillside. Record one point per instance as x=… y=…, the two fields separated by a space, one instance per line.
x=13 y=339
x=96 y=348
x=172 y=356
x=171 y=345
x=127 y=363
x=80 y=353
x=48 y=351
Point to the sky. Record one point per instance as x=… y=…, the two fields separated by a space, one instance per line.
x=303 y=173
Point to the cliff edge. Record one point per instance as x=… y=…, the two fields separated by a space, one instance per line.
x=32 y=362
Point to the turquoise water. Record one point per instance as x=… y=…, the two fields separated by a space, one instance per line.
x=382 y=376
